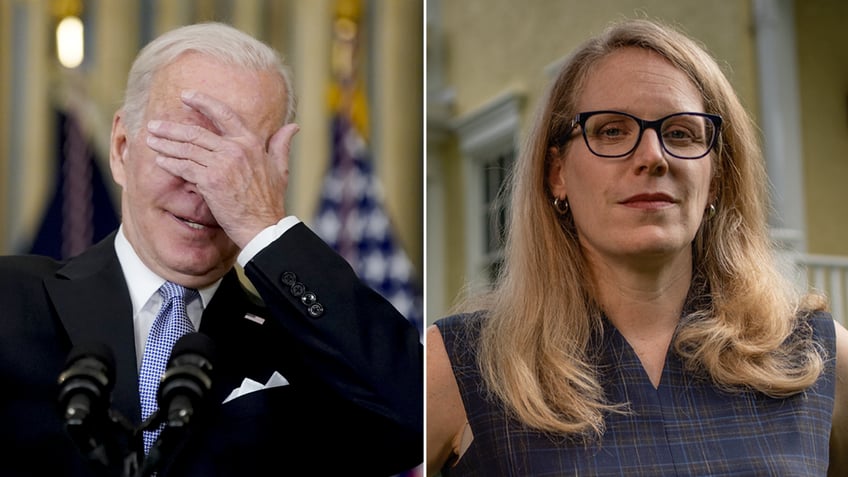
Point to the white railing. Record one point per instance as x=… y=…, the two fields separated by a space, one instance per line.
x=828 y=274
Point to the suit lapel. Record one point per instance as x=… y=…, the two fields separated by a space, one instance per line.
x=237 y=338
x=91 y=299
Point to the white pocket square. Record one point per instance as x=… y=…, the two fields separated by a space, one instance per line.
x=248 y=386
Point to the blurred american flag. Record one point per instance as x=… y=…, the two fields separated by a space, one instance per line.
x=351 y=219
x=80 y=211
x=350 y=216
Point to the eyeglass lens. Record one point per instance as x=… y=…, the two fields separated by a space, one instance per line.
x=683 y=135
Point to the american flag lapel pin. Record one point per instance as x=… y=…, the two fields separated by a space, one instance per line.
x=254 y=318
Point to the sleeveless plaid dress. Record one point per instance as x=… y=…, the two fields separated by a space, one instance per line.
x=685 y=427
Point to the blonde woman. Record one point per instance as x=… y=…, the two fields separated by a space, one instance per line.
x=640 y=325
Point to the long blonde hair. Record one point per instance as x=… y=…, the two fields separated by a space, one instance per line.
x=541 y=315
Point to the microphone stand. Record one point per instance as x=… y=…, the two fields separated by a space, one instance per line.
x=183 y=388
x=105 y=450
x=180 y=413
x=164 y=446
x=130 y=462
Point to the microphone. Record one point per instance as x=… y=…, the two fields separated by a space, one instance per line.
x=85 y=387
x=187 y=380
x=182 y=395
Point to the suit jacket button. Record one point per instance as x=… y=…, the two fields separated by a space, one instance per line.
x=289 y=278
x=308 y=298
x=297 y=289
x=316 y=310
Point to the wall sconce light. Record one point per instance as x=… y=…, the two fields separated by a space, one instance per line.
x=69 y=42
x=69 y=32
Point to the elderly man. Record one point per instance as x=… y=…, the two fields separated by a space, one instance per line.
x=200 y=149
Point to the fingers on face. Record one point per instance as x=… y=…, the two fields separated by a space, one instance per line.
x=280 y=143
x=221 y=115
x=179 y=150
x=180 y=140
x=215 y=135
x=279 y=147
x=194 y=141
x=200 y=144
x=186 y=170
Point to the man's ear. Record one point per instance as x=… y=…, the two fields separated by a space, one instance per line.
x=118 y=149
x=556 y=172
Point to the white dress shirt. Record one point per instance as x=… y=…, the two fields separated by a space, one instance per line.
x=144 y=284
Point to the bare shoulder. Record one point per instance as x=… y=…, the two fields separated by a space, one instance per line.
x=839 y=431
x=445 y=413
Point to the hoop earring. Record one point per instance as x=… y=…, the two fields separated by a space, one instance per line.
x=561 y=206
x=711 y=211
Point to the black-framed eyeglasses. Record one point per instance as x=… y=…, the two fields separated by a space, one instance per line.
x=616 y=134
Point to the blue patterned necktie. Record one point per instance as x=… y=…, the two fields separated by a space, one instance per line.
x=170 y=324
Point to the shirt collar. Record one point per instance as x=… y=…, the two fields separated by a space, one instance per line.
x=143 y=282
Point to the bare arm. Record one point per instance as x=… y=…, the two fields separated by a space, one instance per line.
x=445 y=413
x=839 y=431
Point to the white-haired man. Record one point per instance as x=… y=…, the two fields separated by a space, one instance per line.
x=200 y=149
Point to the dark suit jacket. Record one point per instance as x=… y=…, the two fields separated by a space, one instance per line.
x=354 y=404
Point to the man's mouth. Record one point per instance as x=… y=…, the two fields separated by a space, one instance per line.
x=191 y=223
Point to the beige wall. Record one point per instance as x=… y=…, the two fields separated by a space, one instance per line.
x=400 y=80
x=823 y=68
x=494 y=46
x=26 y=129
x=5 y=69
x=300 y=30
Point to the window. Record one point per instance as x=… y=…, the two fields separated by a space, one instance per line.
x=494 y=172
x=487 y=139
